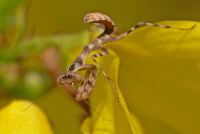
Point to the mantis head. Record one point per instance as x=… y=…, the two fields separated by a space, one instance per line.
x=69 y=79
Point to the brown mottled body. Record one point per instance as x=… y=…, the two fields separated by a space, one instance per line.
x=87 y=84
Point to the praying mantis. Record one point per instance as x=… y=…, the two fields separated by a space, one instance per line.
x=87 y=84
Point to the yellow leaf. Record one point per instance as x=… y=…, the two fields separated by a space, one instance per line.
x=170 y=42
x=22 y=117
x=63 y=111
x=108 y=114
x=159 y=77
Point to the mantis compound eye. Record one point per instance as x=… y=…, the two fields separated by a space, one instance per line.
x=69 y=79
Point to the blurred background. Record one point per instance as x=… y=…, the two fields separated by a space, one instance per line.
x=37 y=37
x=66 y=16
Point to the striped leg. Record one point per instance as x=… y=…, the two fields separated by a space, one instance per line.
x=104 y=52
x=88 y=83
x=141 y=24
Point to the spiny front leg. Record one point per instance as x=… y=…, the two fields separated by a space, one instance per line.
x=88 y=83
x=141 y=24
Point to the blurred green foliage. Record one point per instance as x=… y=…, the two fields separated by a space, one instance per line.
x=7 y=16
x=26 y=69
